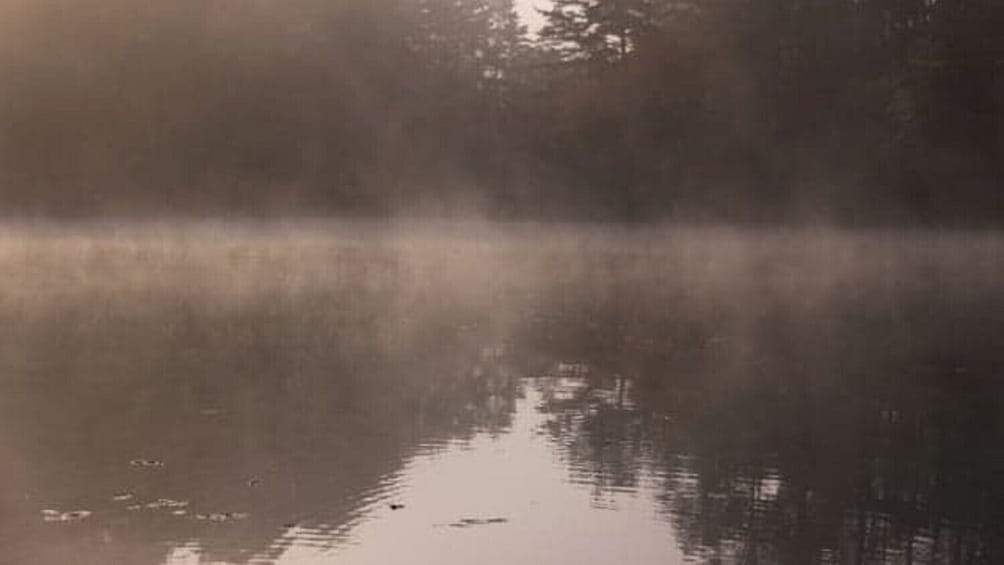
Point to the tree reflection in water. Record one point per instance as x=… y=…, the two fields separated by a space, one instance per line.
x=787 y=410
x=860 y=428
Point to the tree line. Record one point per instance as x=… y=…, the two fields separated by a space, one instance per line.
x=845 y=111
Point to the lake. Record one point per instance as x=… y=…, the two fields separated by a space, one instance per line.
x=391 y=393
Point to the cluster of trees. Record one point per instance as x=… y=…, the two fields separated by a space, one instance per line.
x=848 y=110
x=852 y=110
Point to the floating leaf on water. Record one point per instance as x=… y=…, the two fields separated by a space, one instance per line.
x=146 y=463
x=468 y=522
x=122 y=496
x=221 y=516
x=167 y=503
x=56 y=516
x=75 y=515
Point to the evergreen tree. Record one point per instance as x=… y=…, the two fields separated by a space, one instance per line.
x=601 y=30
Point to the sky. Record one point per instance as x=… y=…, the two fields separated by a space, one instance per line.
x=530 y=17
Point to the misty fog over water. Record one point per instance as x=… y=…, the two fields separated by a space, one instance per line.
x=457 y=393
x=378 y=282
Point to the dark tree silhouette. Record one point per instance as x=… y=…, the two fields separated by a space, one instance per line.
x=877 y=111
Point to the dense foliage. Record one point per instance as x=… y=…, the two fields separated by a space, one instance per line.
x=852 y=111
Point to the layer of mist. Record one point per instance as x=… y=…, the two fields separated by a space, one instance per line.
x=243 y=395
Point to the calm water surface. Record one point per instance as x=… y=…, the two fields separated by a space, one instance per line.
x=363 y=394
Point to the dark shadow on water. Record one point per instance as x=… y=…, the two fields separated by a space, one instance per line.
x=860 y=427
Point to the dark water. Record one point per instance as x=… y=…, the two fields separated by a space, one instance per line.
x=366 y=395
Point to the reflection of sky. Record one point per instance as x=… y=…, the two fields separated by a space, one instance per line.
x=515 y=476
x=527 y=11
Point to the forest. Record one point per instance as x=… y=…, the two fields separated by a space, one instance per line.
x=843 y=112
